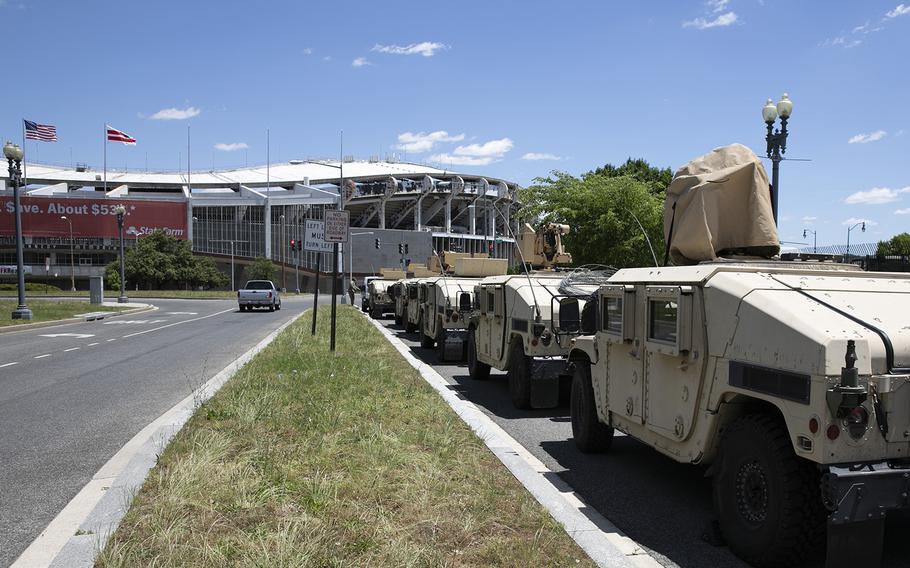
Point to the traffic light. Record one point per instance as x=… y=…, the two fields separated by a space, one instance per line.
x=293 y=244
x=299 y=245
x=406 y=248
x=377 y=244
x=400 y=248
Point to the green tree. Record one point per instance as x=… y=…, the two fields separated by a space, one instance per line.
x=896 y=245
x=601 y=209
x=160 y=261
x=261 y=269
x=657 y=178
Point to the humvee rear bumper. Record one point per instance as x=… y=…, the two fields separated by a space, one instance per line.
x=859 y=500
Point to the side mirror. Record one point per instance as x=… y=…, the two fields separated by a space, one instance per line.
x=569 y=315
x=464 y=302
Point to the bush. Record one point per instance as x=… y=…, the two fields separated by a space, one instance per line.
x=31 y=287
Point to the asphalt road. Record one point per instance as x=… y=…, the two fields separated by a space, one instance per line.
x=663 y=505
x=72 y=395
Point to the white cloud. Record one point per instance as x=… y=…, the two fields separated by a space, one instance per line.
x=809 y=219
x=231 y=147
x=461 y=160
x=900 y=10
x=424 y=142
x=718 y=5
x=876 y=196
x=424 y=48
x=175 y=113
x=493 y=148
x=327 y=58
x=723 y=20
x=308 y=51
x=854 y=220
x=533 y=156
x=360 y=62
x=903 y=211
x=866 y=138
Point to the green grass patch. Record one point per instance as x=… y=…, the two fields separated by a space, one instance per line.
x=309 y=459
x=49 y=310
x=38 y=291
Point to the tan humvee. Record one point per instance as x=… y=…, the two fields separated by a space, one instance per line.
x=511 y=329
x=789 y=380
x=447 y=307
x=381 y=302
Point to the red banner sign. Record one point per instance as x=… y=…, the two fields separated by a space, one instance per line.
x=92 y=217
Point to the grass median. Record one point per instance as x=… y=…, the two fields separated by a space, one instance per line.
x=309 y=459
x=112 y=294
x=49 y=310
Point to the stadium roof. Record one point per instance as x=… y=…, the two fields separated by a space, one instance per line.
x=281 y=174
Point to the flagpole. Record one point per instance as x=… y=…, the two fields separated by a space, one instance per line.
x=188 y=187
x=24 y=168
x=104 y=142
x=268 y=159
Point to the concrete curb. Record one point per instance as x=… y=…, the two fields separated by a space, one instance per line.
x=83 y=527
x=70 y=321
x=596 y=535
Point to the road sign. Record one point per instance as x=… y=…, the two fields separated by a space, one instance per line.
x=314 y=237
x=336 y=226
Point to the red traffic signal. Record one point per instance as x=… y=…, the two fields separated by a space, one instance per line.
x=293 y=244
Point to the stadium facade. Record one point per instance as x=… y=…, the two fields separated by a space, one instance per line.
x=240 y=214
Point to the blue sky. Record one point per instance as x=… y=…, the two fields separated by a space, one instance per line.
x=482 y=87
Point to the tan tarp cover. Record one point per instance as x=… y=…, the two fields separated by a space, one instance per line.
x=723 y=207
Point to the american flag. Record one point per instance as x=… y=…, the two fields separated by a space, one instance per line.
x=114 y=135
x=43 y=132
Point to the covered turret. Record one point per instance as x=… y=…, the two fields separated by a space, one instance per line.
x=719 y=204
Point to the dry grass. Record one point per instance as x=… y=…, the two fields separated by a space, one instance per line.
x=304 y=459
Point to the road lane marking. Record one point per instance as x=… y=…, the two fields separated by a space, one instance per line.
x=70 y=349
x=121 y=322
x=181 y=313
x=9 y=364
x=42 y=356
x=115 y=339
x=92 y=344
x=76 y=335
x=179 y=322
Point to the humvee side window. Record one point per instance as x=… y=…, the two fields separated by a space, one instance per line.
x=491 y=300
x=412 y=292
x=662 y=316
x=612 y=315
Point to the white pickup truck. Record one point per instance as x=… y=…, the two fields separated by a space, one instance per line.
x=259 y=294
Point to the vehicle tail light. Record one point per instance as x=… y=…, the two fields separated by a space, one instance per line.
x=270 y=295
x=857 y=421
x=833 y=432
x=534 y=342
x=813 y=425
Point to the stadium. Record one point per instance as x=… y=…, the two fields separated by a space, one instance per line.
x=237 y=215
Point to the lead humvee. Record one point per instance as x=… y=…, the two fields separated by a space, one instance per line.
x=789 y=380
x=380 y=300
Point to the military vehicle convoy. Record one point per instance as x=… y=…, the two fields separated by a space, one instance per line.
x=446 y=310
x=790 y=381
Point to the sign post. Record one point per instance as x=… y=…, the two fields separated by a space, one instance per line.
x=336 y=231
x=314 y=241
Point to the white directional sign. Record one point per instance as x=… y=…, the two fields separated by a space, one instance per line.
x=76 y=335
x=314 y=237
x=336 y=226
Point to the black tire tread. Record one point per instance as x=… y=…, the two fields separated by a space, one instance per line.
x=478 y=370
x=590 y=434
x=801 y=531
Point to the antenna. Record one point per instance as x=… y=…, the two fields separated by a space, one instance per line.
x=523 y=263
x=442 y=272
x=654 y=256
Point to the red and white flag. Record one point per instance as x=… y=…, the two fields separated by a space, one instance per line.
x=114 y=135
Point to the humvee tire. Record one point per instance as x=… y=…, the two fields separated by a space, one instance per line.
x=375 y=314
x=441 y=344
x=397 y=319
x=767 y=499
x=409 y=327
x=590 y=434
x=519 y=376
x=425 y=340
x=478 y=371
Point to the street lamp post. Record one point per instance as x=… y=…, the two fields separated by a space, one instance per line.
x=777 y=142
x=282 y=257
x=814 y=238
x=14 y=155
x=861 y=223
x=72 y=253
x=120 y=211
